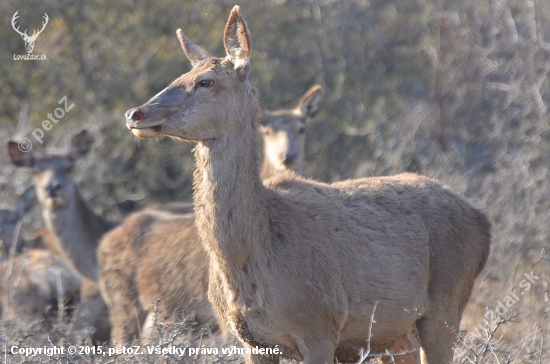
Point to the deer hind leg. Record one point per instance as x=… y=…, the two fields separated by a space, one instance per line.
x=437 y=337
x=405 y=351
x=126 y=321
x=125 y=313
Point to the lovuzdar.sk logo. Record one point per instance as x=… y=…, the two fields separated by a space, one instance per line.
x=29 y=40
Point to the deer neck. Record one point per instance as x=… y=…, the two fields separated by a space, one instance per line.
x=229 y=196
x=77 y=230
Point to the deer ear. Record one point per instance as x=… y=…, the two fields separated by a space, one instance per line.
x=80 y=145
x=26 y=201
x=311 y=102
x=193 y=52
x=237 y=40
x=18 y=157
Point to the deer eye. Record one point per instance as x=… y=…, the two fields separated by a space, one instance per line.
x=302 y=130
x=205 y=83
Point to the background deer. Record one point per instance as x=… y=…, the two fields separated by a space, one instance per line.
x=35 y=284
x=32 y=282
x=301 y=265
x=75 y=228
x=157 y=245
x=284 y=133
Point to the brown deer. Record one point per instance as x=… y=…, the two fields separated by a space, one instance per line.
x=75 y=228
x=33 y=283
x=297 y=266
x=153 y=255
x=32 y=280
x=162 y=244
x=284 y=133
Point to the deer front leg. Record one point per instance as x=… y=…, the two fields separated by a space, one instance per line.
x=257 y=358
x=321 y=352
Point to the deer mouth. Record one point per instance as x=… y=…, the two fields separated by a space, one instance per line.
x=145 y=132
x=54 y=203
x=141 y=126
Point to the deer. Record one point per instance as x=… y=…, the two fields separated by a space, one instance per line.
x=75 y=228
x=302 y=269
x=160 y=242
x=36 y=284
x=284 y=133
x=33 y=278
x=29 y=40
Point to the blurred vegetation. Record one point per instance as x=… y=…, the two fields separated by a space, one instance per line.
x=457 y=90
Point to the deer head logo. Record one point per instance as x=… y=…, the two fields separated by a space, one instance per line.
x=29 y=41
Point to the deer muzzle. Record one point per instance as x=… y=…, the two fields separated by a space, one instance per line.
x=141 y=126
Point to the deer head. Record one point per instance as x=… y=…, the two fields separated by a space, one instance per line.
x=285 y=131
x=198 y=105
x=29 y=40
x=52 y=174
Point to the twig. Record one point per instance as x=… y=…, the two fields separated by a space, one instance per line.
x=364 y=354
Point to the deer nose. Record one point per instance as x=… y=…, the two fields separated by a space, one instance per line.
x=134 y=115
x=53 y=188
x=289 y=159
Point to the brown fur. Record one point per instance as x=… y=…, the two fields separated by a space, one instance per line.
x=33 y=283
x=154 y=255
x=33 y=280
x=42 y=239
x=300 y=264
x=160 y=242
x=10 y=233
x=284 y=133
x=75 y=229
x=30 y=286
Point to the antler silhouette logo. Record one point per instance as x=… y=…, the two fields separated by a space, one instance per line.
x=29 y=41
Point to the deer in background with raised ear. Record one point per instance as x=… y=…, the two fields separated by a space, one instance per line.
x=155 y=245
x=302 y=265
x=285 y=131
x=75 y=228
